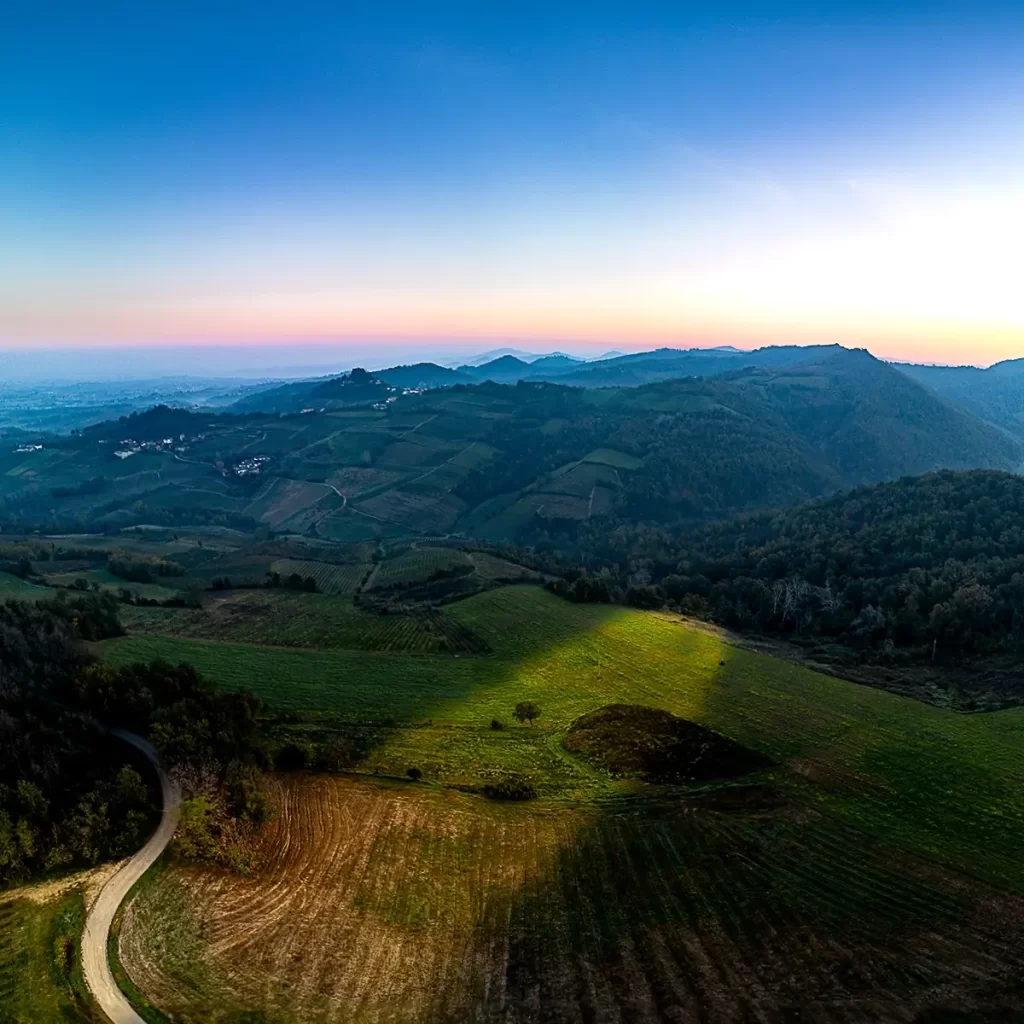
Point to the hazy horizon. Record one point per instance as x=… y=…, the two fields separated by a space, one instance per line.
x=635 y=178
x=95 y=364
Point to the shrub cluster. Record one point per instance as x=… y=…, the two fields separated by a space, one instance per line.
x=512 y=788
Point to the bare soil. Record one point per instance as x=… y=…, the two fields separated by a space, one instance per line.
x=410 y=904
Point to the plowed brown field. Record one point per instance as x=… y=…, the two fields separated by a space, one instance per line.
x=409 y=903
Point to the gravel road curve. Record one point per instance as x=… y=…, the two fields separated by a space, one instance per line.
x=97 y=925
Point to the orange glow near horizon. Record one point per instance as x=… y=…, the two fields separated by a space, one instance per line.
x=305 y=320
x=929 y=275
x=475 y=180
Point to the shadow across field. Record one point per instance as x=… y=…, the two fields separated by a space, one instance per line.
x=924 y=779
x=400 y=903
x=610 y=900
x=690 y=912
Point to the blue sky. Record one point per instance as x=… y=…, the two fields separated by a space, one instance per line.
x=555 y=174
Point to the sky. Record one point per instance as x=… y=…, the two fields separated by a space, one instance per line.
x=451 y=177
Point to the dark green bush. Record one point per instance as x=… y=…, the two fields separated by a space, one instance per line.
x=512 y=788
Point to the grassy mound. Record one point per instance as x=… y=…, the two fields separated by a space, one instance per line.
x=634 y=741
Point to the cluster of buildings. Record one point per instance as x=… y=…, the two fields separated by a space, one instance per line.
x=131 y=447
x=250 y=467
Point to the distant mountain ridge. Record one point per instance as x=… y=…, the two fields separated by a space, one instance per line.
x=505 y=369
x=624 y=370
x=819 y=417
x=995 y=394
x=523 y=461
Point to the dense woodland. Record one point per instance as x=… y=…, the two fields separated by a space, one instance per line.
x=932 y=566
x=69 y=795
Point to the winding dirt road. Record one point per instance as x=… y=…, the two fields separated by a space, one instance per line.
x=97 y=925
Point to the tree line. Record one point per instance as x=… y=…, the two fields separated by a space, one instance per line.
x=929 y=567
x=72 y=797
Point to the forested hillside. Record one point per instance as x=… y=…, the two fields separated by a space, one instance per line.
x=355 y=388
x=995 y=394
x=70 y=795
x=863 y=420
x=759 y=438
x=931 y=567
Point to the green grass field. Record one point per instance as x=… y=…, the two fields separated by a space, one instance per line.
x=40 y=976
x=610 y=457
x=14 y=587
x=924 y=779
x=281 y=618
x=350 y=527
x=106 y=580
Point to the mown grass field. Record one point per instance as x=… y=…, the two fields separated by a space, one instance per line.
x=490 y=568
x=610 y=457
x=107 y=581
x=923 y=779
x=40 y=976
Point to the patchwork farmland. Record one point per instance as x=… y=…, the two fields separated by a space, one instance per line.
x=438 y=852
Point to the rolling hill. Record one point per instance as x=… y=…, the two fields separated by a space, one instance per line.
x=423 y=375
x=506 y=369
x=917 y=578
x=995 y=394
x=861 y=834
x=842 y=876
x=873 y=423
x=355 y=388
x=640 y=368
x=753 y=438
x=505 y=462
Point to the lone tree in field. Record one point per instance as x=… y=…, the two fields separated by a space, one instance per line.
x=526 y=711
